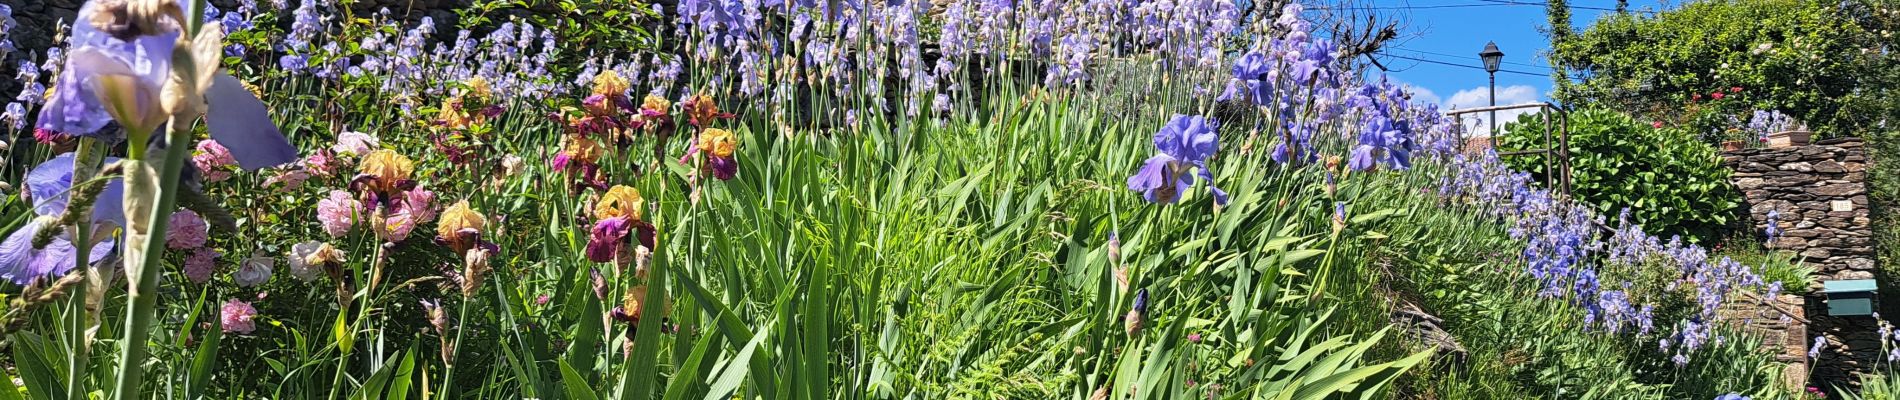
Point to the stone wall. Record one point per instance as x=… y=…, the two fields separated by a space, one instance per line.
x=1779 y=324
x=1820 y=192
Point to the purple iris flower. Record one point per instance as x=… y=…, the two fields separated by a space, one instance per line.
x=47 y=186
x=132 y=65
x=1385 y=135
x=1296 y=145
x=1186 y=142
x=1141 y=301
x=607 y=237
x=119 y=75
x=1253 y=73
x=1814 y=352
x=1382 y=140
x=1774 y=226
x=1313 y=62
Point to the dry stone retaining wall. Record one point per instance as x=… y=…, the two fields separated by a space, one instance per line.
x=1820 y=193
x=1821 y=196
x=1778 y=324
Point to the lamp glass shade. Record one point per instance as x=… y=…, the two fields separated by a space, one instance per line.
x=1492 y=56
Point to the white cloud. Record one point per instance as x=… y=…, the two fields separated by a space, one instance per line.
x=1476 y=124
x=1420 y=95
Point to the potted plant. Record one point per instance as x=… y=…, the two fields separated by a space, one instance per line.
x=1795 y=136
x=1779 y=130
x=1734 y=139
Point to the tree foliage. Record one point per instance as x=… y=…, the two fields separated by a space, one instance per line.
x=1559 y=31
x=1829 y=63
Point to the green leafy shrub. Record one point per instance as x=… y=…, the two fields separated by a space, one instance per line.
x=1816 y=60
x=1671 y=182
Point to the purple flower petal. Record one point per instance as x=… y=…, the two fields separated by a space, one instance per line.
x=76 y=107
x=1152 y=175
x=241 y=123
x=49 y=183
x=1362 y=158
x=21 y=263
x=1220 y=196
x=723 y=168
x=72 y=108
x=16 y=250
x=1190 y=138
x=608 y=235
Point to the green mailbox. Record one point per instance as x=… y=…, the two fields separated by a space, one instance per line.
x=1849 y=297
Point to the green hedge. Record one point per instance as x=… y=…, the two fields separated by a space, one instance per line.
x=1672 y=182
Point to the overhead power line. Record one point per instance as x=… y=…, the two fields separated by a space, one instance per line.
x=1483 y=3
x=1515 y=2
x=1480 y=68
x=1426 y=7
x=1461 y=56
x=1520 y=3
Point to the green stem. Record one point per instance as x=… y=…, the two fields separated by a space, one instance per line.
x=83 y=170
x=76 y=332
x=343 y=360
x=336 y=381
x=141 y=263
x=448 y=372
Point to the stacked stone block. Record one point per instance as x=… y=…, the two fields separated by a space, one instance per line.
x=1820 y=194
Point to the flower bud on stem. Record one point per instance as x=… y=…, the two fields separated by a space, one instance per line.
x=150 y=196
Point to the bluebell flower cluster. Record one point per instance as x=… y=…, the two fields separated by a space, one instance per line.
x=238 y=20
x=305 y=28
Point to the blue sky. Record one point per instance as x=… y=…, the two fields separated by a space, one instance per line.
x=1453 y=31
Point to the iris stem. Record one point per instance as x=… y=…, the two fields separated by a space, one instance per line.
x=141 y=263
x=83 y=170
x=135 y=144
x=449 y=390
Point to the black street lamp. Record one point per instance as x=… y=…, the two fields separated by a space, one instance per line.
x=1492 y=57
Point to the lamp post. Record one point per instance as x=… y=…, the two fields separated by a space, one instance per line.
x=1492 y=57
